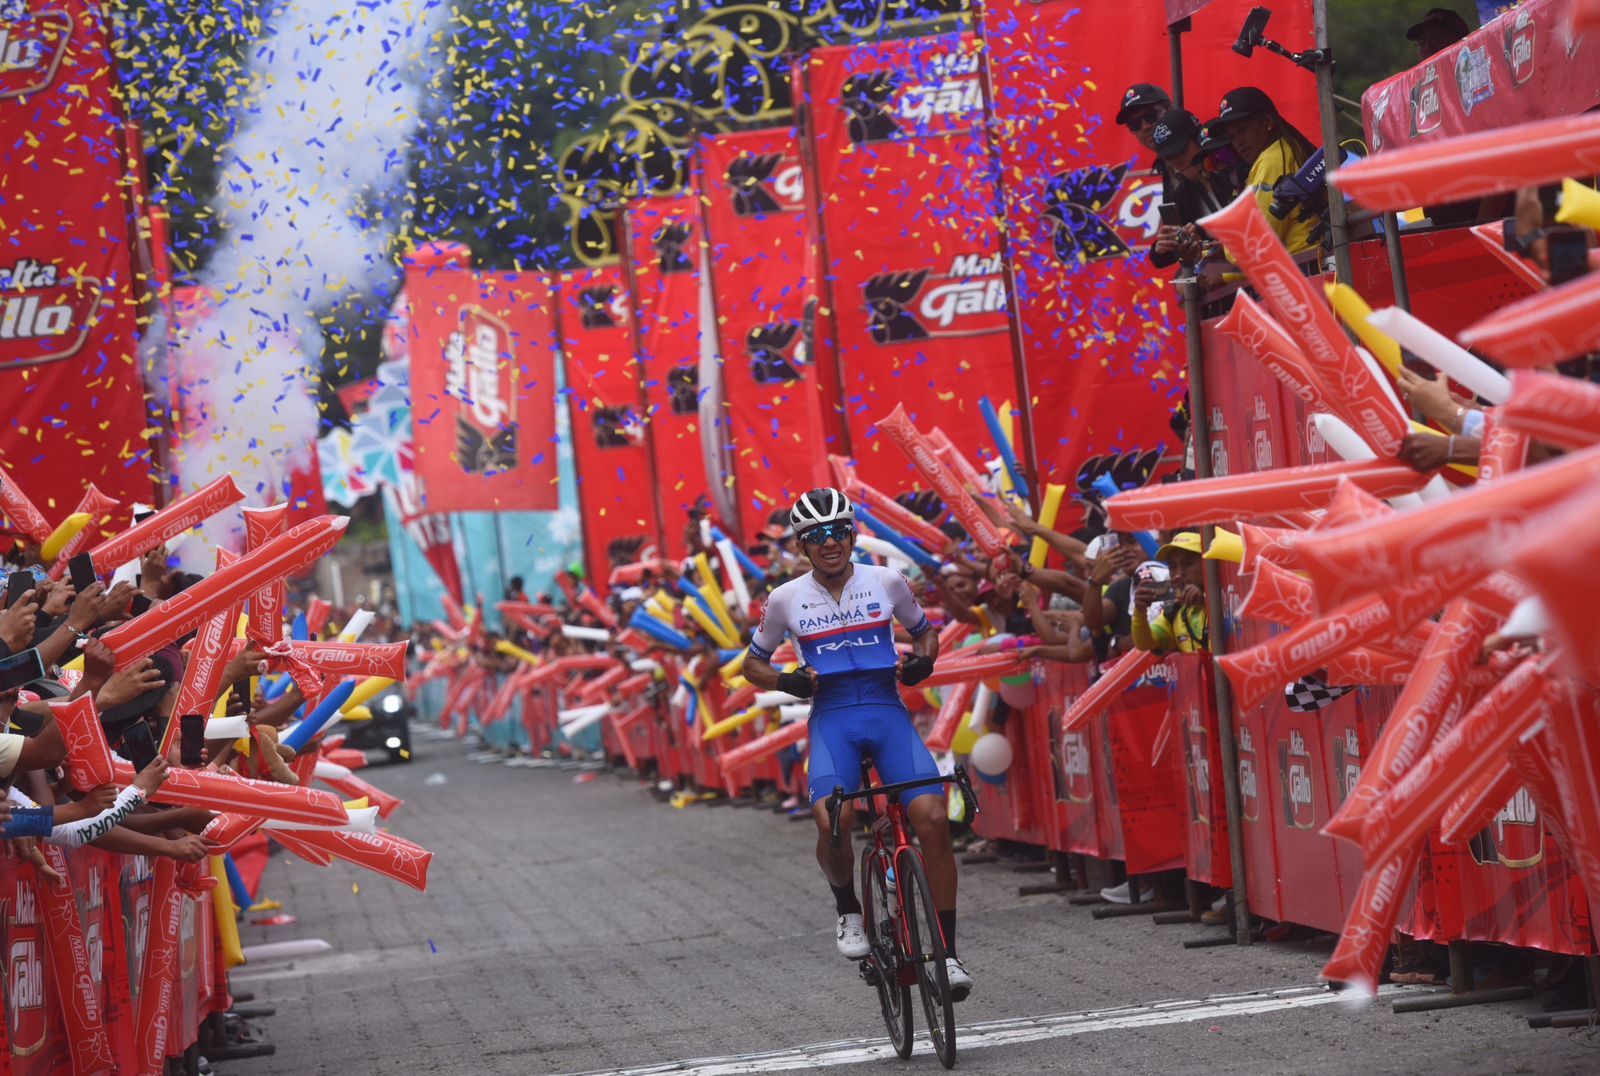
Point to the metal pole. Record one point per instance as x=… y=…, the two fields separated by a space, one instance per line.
x=1330 y=145
x=1397 y=261
x=1200 y=427
x=1175 y=32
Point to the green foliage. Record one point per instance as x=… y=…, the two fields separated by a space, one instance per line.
x=1369 y=38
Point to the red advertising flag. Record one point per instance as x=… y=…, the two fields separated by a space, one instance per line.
x=483 y=389
x=764 y=281
x=75 y=407
x=664 y=251
x=1105 y=366
x=906 y=196
x=614 y=466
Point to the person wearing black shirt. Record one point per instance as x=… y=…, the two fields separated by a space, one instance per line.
x=1195 y=191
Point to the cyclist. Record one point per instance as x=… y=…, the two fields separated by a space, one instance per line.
x=839 y=615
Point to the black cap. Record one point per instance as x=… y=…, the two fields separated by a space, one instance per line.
x=1242 y=103
x=1441 y=18
x=1173 y=131
x=1142 y=95
x=1213 y=136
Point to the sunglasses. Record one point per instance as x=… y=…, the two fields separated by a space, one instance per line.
x=1140 y=120
x=839 y=532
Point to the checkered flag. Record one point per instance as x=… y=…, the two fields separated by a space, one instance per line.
x=1309 y=694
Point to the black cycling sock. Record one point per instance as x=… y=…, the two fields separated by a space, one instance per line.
x=947 y=927
x=844 y=899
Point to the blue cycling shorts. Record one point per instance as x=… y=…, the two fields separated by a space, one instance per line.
x=841 y=736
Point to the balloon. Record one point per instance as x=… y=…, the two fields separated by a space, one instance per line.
x=261 y=525
x=1476 y=806
x=924 y=456
x=1288 y=295
x=1015 y=694
x=1247 y=496
x=898 y=542
x=1471 y=166
x=1542 y=329
x=1255 y=330
x=320 y=717
x=65 y=532
x=892 y=512
x=241 y=795
x=1553 y=408
x=349 y=784
x=660 y=631
x=88 y=757
x=355 y=659
x=960 y=665
x=180 y=516
x=182 y=613
x=225 y=914
x=1262 y=544
x=991 y=754
x=202 y=675
x=94 y=504
x=956 y=461
x=727 y=553
x=1432 y=701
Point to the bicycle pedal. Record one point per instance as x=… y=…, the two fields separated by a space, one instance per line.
x=869 y=970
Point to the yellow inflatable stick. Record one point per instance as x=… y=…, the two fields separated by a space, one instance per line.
x=69 y=529
x=356 y=713
x=1580 y=205
x=366 y=691
x=1354 y=312
x=718 y=633
x=730 y=724
x=1225 y=545
x=711 y=590
x=1048 y=510
x=226 y=913
x=735 y=665
x=357 y=804
x=506 y=646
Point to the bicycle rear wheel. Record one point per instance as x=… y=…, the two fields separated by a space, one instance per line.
x=928 y=955
x=894 y=994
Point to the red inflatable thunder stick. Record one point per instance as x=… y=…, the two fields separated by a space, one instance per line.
x=920 y=450
x=758 y=749
x=1278 y=596
x=182 y=613
x=951 y=711
x=1555 y=560
x=21 y=511
x=1473 y=165
x=1369 y=928
x=77 y=991
x=1562 y=410
x=891 y=511
x=1434 y=697
x=1542 y=329
x=261 y=525
x=1290 y=297
x=384 y=853
x=202 y=675
x=242 y=795
x=183 y=514
x=1116 y=679
x=1253 y=329
x=1477 y=805
x=1473 y=528
x=92 y=503
x=1262 y=545
x=353 y=659
x=1505 y=448
x=1249 y=496
x=158 y=985
x=88 y=757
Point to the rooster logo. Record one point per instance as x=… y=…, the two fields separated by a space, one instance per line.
x=889 y=297
x=594 y=306
x=670 y=241
x=749 y=178
x=683 y=389
x=777 y=351
x=1076 y=200
x=869 y=99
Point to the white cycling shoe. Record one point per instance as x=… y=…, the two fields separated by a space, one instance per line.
x=960 y=981
x=851 y=937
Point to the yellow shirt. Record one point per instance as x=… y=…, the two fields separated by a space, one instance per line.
x=1275 y=162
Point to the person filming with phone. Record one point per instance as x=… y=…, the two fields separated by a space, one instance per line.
x=1196 y=190
x=1179 y=603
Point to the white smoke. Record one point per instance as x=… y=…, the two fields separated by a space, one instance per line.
x=336 y=91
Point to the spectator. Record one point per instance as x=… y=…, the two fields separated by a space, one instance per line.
x=1274 y=150
x=1195 y=191
x=515 y=591
x=1142 y=106
x=1436 y=31
x=1113 y=559
x=1181 y=623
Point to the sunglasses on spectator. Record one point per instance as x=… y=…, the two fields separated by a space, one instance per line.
x=839 y=532
x=1140 y=120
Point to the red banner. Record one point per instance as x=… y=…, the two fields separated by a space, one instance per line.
x=764 y=282
x=907 y=201
x=664 y=251
x=608 y=438
x=69 y=369
x=1097 y=324
x=483 y=386
x=1520 y=67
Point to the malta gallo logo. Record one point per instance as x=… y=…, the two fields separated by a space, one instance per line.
x=1294 y=766
x=671 y=242
x=1427 y=103
x=478 y=374
x=763 y=183
x=601 y=307
x=969 y=299
x=1249 y=778
x=869 y=99
x=31 y=47
x=1199 y=763
x=777 y=351
x=25 y=994
x=936 y=97
x=1347 y=762
x=45 y=313
x=1514 y=839
x=1520 y=39
x=1074 y=783
x=1098 y=213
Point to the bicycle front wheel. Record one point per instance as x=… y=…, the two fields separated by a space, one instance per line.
x=885 y=959
x=927 y=954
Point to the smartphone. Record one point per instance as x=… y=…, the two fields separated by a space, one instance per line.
x=1169 y=214
x=140 y=603
x=18 y=583
x=1109 y=541
x=192 y=739
x=80 y=569
x=20 y=669
x=1567 y=251
x=143 y=514
x=138 y=746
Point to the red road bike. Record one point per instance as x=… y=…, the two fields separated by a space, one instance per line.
x=902 y=924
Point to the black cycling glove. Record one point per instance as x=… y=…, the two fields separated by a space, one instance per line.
x=797 y=683
x=917 y=668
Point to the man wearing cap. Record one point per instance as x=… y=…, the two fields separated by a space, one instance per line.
x=1436 y=31
x=1193 y=193
x=1181 y=623
x=1143 y=104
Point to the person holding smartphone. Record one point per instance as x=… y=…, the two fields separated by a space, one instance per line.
x=1195 y=191
x=1180 y=623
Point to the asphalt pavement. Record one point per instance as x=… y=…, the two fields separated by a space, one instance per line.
x=574 y=923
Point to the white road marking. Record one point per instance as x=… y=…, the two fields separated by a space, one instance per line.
x=999 y=1033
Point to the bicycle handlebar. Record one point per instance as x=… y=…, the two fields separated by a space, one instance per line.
x=840 y=797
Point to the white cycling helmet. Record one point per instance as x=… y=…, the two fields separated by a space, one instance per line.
x=819 y=506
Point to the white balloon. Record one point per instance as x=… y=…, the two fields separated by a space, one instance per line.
x=991 y=755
